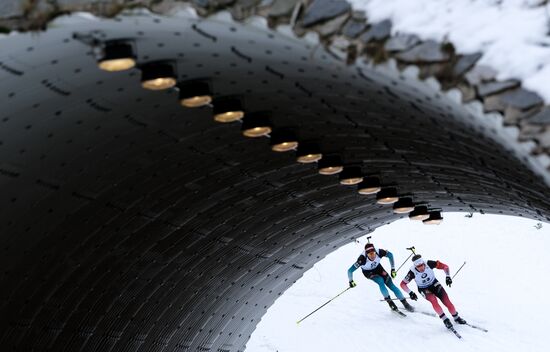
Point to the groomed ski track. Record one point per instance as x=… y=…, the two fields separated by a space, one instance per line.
x=492 y=291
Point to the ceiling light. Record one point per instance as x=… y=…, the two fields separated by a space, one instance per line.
x=283 y=140
x=403 y=206
x=387 y=196
x=228 y=109
x=420 y=212
x=330 y=165
x=351 y=175
x=370 y=185
x=434 y=219
x=308 y=153
x=194 y=94
x=117 y=56
x=158 y=75
x=256 y=124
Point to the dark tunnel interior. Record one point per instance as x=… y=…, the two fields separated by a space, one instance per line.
x=129 y=222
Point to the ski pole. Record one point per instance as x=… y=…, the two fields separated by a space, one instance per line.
x=404 y=262
x=458 y=270
x=412 y=252
x=330 y=300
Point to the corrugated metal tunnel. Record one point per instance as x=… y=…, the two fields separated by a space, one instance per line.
x=131 y=223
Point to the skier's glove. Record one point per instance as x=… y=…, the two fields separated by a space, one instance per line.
x=413 y=296
x=352 y=284
x=449 y=281
x=393 y=273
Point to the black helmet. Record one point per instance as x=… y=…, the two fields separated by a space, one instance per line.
x=416 y=257
x=369 y=247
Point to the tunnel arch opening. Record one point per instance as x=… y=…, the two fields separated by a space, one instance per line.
x=478 y=250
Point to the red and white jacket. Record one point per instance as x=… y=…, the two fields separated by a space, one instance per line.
x=426 y=278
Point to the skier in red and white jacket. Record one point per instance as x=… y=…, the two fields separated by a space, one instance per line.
x=430 y=288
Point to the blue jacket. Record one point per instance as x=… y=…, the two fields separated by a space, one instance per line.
x=362 y=260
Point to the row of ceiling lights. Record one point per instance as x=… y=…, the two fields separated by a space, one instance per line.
x=159 y=75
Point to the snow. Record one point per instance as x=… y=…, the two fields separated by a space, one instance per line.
x=513 y=35
x=503 y=287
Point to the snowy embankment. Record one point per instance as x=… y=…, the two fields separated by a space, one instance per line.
x=503 y=287
x=513 y=35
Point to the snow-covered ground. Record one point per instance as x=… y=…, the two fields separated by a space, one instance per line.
x=513 y=35
x=503 y=287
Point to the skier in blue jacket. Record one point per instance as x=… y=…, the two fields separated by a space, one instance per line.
x=369 y=262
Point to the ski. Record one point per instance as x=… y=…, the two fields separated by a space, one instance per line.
x=425 y=313
x=398 y=312
x=476 y=327
x=453 y=330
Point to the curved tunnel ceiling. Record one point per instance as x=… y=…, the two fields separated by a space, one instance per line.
x=131 y=223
